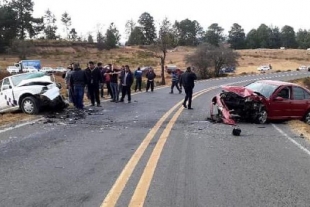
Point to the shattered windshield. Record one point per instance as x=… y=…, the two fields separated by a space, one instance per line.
x=17 y=79
x=262 y=88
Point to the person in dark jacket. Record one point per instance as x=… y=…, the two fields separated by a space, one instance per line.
x=138 y=76
x=150 y=80
x=175 y=81
x=188 y=79
x=94 y=79
x=114 y=73
x=78 y=81
x=126 y=78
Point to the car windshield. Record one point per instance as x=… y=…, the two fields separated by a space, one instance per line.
x=262 y=88
x=17 y=79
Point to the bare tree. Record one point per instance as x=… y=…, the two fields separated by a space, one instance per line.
x=209 y=59
x=66 y=20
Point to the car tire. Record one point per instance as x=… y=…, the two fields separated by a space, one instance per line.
x=307 y=118
x=262 y=117
x=29 y=105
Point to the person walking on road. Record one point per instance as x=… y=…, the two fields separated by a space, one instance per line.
x=175 y=82
x=138 y=76
x=150 y=80
x=188 y=79
x=126 y=81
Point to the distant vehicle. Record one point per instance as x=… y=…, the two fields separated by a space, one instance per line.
x=264 y=68
x=25 y=63
x=30 y=92
x=303 y=67
x=12 y=69
x=47 y=69
x=229 y=69
x=171 y=68
x=282 y=48
x=29 y=69
x=60 y=69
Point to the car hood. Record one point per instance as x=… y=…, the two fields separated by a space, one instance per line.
x=45 y=80
x=239 y=90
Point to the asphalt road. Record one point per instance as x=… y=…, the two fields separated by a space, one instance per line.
x=152 y=152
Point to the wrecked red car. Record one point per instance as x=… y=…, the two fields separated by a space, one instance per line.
x=261 y=101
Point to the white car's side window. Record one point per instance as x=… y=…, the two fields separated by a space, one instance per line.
x=6 y=84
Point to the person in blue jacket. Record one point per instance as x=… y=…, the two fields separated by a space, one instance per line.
x=138 y=76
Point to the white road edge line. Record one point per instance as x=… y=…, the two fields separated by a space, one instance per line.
x=20 y=125
x=292 y=140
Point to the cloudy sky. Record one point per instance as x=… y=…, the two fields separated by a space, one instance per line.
x=89 y=15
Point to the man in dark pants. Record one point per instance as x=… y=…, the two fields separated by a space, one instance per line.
x=78 y=81
x=94 y=80
x=150 y=80
x=138 y=76
x=126 y=78
x=188 y=79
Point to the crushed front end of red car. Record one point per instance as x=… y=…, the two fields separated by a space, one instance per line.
x=237 y=103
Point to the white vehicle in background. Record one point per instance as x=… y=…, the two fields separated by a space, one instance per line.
x=30 y=92
x=60 y=69
x=303 y=67
x=264 y=68
x=12 y=69
x=29 y=69
x=47 y=69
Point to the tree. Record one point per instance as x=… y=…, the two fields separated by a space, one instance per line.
x=164 y=42
x=136 y=37
x=303 y=39
x=148 y=28
x=252 y=40
x=208 y=59
x=73 y=34
x=214 y=34
x=130 y=26
x=8 y=27
x=51 y=28
x=66 y=20
x=288 y=37
x=90 y=39
x=112 y=37
x=188 y=33
x=26 y=23
x=262 y=33
x=275 y=38
x=236 y=37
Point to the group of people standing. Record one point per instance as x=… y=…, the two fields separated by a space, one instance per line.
x=93 y=78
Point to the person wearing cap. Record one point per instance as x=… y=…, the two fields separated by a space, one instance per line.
x=78 y=81
x=188 y=83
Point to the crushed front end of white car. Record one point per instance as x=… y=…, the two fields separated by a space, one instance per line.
x=30 y=92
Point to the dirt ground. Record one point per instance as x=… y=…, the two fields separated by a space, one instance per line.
x=249 y=61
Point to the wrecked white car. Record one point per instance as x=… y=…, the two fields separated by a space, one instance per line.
x=30 y=92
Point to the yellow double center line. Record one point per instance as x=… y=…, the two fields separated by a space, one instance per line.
x=140 y=193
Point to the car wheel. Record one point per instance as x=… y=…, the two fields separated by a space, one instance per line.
x=29 y=105
x=307 y=117
x=262 y=117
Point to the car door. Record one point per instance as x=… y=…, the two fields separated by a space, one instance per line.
x=280 y=103
x=300 y=102
x=6 y=95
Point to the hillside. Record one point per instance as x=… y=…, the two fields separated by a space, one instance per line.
x=62 y=55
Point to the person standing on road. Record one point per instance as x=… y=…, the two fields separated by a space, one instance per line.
x=126 y=81
x=94 y=80
x=175 y=82
x=114 y=83
x=78 y=81
x=188 y=79
x=67 y=81
x=150 y=80
x=138 y=76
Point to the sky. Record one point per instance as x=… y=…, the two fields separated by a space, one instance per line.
x=90 y=15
